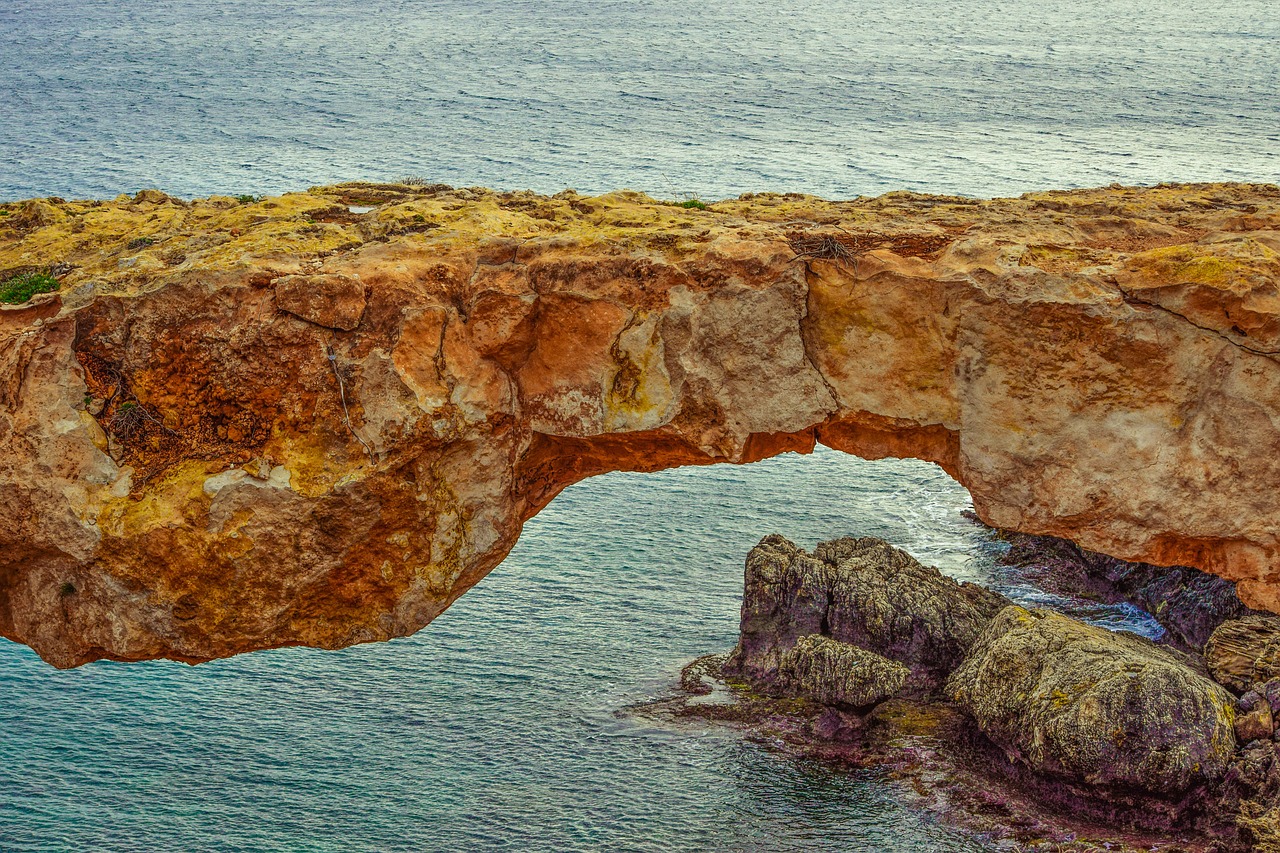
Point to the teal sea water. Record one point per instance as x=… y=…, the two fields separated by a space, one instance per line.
x=502 y=726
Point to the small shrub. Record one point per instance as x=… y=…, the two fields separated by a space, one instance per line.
x=250 y=199
x=140 y=243
x=692 y=204
x=21 y=288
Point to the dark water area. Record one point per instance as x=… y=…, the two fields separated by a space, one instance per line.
x=498 y=726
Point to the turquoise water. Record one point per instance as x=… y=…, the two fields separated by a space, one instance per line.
x=501 y=726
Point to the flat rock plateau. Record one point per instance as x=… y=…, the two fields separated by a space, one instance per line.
x=318 y=419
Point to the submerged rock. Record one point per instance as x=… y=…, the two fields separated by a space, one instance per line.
x=837 y=673
x=1244 y=652
x=1098 y=707
x=863 y=592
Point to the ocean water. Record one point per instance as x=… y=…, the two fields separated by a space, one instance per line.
x=502 y=726
x=839 y=98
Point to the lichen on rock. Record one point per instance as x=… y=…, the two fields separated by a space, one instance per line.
x=837 y=673
x=1100 y=707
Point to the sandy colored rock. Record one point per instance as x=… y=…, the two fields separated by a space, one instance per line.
x=1245 y=652
x=179 y=477
x=1094 y=706
x=836 y=673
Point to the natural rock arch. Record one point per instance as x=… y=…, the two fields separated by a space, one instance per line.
x=286 y=423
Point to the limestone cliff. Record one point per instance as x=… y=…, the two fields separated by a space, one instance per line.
x=318 y=419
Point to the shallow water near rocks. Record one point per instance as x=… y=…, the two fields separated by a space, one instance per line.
x=496 y=728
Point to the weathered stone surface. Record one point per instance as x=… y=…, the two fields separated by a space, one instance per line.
x=862 y=592
x=1094 y=706
x=335 y=301
x=1244 y=652
x=1094 y=364
x=1253 y=718
x=836 y=673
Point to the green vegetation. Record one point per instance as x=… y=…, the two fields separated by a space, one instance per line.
x=140 y=243
x=21 y=288
x=249 y=199
x=692 y=204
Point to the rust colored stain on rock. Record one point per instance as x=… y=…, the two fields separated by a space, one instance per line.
x=336 y=301
x=188 y=470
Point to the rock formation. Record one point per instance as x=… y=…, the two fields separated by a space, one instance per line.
x=246 y=424
x=1061 y=724
x=860 y=592
x=1098 y=707
x=1244 y=652
x=836 y=673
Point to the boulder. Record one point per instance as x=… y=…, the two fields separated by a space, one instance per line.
x=1102 y=708
x=863 y=592
x=836 y=673
x=1244 y=652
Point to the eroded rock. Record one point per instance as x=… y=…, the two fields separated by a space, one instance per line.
x=1244 y=652
x=334 y=301
x=1090 y=364
x=1253 y=718
x=836 y=673
x=862 y=592
x=1102 y=708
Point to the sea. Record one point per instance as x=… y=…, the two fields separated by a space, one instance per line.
x=505 y=724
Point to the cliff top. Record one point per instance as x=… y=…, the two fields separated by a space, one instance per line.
x=136 y=242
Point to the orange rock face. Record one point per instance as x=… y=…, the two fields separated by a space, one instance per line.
x=242 y=426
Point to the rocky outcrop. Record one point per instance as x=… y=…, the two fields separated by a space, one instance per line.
x=861 y=592
x=1097 y=707
x=245 y=425
x=1245 y=652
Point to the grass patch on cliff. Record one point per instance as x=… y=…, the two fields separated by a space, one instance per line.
x=692 y=204
x=20 y=288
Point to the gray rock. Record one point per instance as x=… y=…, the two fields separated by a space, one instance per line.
x=837 y=673
x=863 y=592
x=1244 y=652
x=1093 y=706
